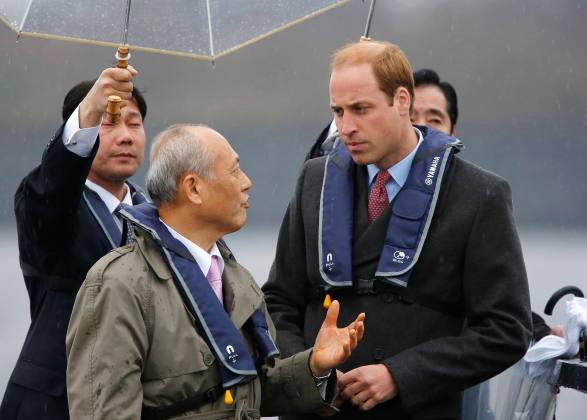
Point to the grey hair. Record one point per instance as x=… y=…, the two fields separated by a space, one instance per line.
x=176 y=151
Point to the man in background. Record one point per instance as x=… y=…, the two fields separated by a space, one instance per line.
x=435 y=102
x=65 y=215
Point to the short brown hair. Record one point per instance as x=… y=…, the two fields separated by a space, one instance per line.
x=389 y=63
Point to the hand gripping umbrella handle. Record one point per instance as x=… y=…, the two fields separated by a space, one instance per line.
x=113 y=108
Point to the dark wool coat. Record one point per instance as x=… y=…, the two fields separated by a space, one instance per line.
x=59 y=240
x=472 y=258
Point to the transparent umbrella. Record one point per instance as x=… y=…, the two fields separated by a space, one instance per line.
x=203 y=29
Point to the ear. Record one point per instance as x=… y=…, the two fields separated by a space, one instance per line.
x=403 y=100
x=190 y=186
x=453 y=131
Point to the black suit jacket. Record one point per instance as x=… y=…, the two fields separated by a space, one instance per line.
x=59 y=240
x=472 y=258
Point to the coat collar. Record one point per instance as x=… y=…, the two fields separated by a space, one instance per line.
x=236 y=280
x=152 y=254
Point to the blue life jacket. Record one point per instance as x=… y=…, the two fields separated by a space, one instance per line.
x=113 y=238
x=413 y=208
x=234 y=359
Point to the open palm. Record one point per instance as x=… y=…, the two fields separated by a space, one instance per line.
x=334 y=345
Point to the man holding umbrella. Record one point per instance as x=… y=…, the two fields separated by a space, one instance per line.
x=392 y=223
x=65 y=214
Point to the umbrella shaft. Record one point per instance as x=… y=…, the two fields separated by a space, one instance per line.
x=125 y=23
x=369 y=19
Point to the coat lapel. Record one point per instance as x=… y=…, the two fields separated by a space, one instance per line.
x=236 y=281
x=103 y=217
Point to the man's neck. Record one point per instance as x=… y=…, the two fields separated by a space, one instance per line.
x=116 y=188
x=411 y=141
x=189 y=227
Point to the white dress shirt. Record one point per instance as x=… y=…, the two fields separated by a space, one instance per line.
x=203 y=258
x=78 y=140
x=110 y=200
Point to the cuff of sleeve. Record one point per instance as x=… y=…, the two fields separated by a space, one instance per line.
x=325 y=384
x=79 y=140
x=301 y=385
x=408 y=382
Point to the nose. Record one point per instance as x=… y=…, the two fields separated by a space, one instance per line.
x=123 y=134
x=346 y=125
x=247 y=183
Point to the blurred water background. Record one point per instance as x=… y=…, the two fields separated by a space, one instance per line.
x=553 y=258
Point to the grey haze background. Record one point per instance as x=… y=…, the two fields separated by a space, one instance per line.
x=519 y=67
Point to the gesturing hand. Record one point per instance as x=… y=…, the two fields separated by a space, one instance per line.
x=334 y=345
x=367 y=386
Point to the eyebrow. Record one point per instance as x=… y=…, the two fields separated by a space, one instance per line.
x=351 y=105
x=133 y=114
x=435 y=111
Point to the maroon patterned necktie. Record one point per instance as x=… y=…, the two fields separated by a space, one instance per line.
x=378 y=199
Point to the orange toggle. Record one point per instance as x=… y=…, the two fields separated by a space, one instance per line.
x=327 y=301
x=228 y=400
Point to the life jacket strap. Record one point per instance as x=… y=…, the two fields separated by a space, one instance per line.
x=189 y=404
x=379 y=285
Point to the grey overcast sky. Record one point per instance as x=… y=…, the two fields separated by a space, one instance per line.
x=519 y=68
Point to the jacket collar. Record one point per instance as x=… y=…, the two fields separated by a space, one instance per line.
x=152 y=254
x=236 y=280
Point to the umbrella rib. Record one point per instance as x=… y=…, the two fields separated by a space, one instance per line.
x=26 y=14
x=125 y=23
x=281 y=28
x=210 y=28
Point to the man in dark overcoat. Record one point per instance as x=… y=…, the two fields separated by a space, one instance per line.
x=66 y=221
x=464 y=315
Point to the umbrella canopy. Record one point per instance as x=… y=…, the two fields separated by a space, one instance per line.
x=204 y=29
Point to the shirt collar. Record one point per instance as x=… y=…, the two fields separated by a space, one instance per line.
x=400 y=171
x=107 y=197
x=203 y=259
x=332 y=129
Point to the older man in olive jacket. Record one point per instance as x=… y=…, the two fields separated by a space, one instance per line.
x=152 y=337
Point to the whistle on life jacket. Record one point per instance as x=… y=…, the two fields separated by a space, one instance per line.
x=327 y=301
x=228 y=400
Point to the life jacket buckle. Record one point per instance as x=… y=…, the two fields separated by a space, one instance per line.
x=365 y=287
x=381 y=285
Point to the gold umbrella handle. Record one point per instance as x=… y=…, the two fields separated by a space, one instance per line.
x=113 y=108
x=122 y=55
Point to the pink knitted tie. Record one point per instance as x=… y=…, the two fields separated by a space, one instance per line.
x=215 y=277
x=378 y=199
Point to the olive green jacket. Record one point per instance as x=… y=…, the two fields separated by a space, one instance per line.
x=131 y=342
